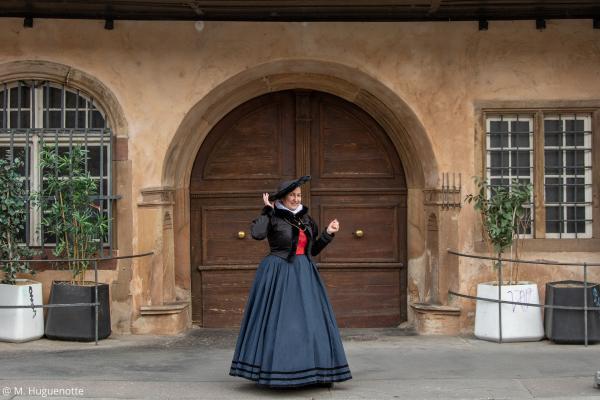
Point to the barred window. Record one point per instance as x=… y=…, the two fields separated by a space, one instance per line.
x=35 y=114
x=514 y=141
x=568 y=175
x=510 y=155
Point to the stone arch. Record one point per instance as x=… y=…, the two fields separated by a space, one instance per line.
x=381 y=102
x=396 y=117
x=74 y=78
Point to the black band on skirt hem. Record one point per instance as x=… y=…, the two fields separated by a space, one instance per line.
x=259 y=374
x=317 y=379
x=283 y=372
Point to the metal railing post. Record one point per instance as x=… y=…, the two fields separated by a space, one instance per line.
x=585 y=305
x=500 y=298
x=96 y=301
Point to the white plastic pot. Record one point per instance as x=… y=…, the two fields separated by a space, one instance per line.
x=519 y=323
x=21 y=324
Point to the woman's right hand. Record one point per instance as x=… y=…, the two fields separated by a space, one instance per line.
x=267 y=202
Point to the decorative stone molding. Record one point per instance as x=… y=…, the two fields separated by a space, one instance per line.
x=441 y=206
x=157 y=197
x=155 y=231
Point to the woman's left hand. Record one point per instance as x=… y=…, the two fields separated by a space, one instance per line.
x=333 y=226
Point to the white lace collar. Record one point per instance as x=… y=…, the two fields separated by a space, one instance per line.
x=280 y=205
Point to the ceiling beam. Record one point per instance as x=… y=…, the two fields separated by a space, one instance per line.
x=435 y=5
x=302 y=10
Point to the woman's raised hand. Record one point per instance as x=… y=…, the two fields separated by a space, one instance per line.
x=267 y=202
x=333 y=226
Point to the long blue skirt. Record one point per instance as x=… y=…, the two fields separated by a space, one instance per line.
x=289 y=336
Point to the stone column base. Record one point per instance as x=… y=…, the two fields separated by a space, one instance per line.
x=433 y=319
x=166 y=319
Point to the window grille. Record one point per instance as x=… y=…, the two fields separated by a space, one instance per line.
x=568 y=175
x=509 y=149
x=564 y=142
x=34 y=114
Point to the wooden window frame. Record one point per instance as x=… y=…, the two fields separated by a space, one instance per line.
x=539 y=241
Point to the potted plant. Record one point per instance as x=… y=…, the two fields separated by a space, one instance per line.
x=503 y=217
x=76 y=225
x=18 y=324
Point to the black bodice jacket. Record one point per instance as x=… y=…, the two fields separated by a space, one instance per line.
x=282 y=228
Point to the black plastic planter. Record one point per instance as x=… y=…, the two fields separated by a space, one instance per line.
x=567 y=326
x=77 y=323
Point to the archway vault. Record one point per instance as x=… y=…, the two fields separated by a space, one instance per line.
x=383 y=104
x=393 y=114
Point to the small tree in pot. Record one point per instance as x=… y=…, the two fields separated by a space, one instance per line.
x=77 y=226
x=19 y=324
x=503 y=217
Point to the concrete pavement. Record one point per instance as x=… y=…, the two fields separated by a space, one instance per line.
x=385 y=363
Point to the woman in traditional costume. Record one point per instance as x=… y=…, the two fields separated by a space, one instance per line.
x=289 y=336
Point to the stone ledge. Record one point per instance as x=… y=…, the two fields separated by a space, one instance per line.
x=165 y=319
x=157 y=196
x=164 y=309
x=434 y=319
x=436 y=309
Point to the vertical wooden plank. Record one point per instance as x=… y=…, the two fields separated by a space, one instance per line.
x=195 y=260
x=481 y=141
x=595 y=174
x=197 y=308
x=538 y=176
x=403 y=245
x=303 y=122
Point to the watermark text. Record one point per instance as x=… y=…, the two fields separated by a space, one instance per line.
x=42 y=391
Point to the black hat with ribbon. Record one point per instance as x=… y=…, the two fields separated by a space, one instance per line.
x=286 y=187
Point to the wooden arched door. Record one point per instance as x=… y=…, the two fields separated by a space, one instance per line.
x=357 y=178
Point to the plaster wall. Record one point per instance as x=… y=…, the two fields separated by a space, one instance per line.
x=158 y=72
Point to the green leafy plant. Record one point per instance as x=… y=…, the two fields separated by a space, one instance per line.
x=503 y=216
x=69 y=214
x=13 y=217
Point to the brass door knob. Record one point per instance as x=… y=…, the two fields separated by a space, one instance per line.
x=241 y=234
x=359 y=233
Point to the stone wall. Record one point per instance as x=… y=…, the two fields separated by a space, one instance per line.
x=167 y=84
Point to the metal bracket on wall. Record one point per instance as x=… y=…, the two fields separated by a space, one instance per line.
x=448 y=195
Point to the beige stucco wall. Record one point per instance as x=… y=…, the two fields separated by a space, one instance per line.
x=158 y=72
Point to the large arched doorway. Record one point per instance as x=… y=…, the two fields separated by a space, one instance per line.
x=357 y=178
